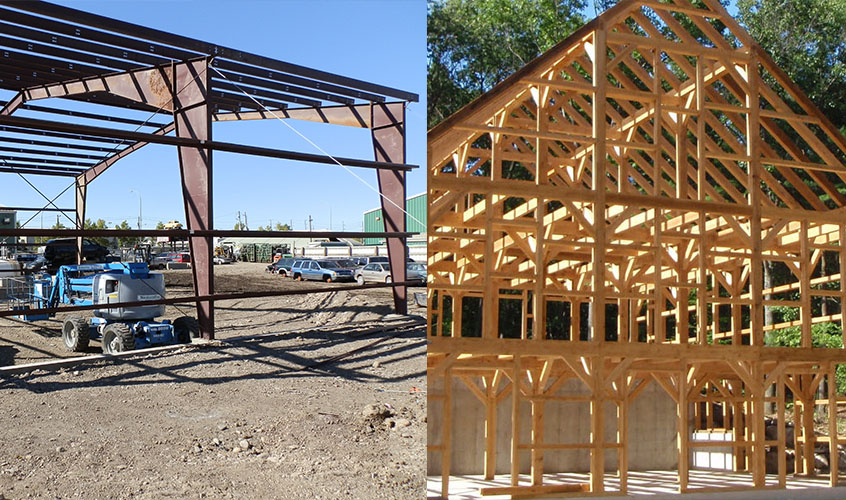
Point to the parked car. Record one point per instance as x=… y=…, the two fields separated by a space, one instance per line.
x=381 y=273
x=416 y=272
x=297 y=268
x=282 y=266
x=377 y=271
x=159 y=261
x=220 y=259
x=325 y=270
x=62 y=251
x=182 y=257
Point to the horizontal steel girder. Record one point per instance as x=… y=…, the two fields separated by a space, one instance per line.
x=184 y=141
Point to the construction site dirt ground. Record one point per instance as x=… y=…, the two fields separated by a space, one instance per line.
x=328 y=403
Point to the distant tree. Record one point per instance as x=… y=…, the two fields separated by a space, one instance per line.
x=807 y=40
x=475 y=44
x=282 y=227
x=160 y=226
x=124 y=241
x=100 y=224
x=239 y=226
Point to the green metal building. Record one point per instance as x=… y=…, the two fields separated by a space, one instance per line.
x=416 y=208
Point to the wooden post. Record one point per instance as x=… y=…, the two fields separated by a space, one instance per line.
x=446 y=439
x=623 y=437
x=537 y=441
x=834 y=455
x=759 y=455
x=575 y=320
x=515 y=423
x=597 y=427
x=842 y=234
x=753 y=150
x=782 y=433
x=684 y=427
x=805 y=285
x=598 y=167
x=490 y=426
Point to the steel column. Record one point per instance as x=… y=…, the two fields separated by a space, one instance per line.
x=388 y=131
x=81 y=192
x=192 y=116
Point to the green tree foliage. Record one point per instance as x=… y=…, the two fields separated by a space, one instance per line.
x=239 y=226
x=282 y=227
x=160 y=226
x=807 y=39
x=822 y=335
x=98 y=224
x=475 y=44
x=126 y=241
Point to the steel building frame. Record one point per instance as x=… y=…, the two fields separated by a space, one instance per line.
x=710 y=164
x=54 y=53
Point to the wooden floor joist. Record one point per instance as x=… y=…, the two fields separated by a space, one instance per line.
x=604 y=218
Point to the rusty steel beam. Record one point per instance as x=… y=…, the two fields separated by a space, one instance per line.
x=59 y=135
x=287 y=78
x=93 y=116
x=38 y=209
x=284 y=87
x=192 y=119
x=161 y=37
x=388 y=132
x=189 y=142
x=258 y=92
x=15 y=168
x=45 y=152
x=150 y=86
x=12 y=105
x=59 y=145
x=350 y=116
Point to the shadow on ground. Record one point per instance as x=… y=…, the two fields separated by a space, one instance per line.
x=299 y=355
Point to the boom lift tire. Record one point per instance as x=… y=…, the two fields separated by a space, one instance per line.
x=75 y=334
x=117 y=337
x=186 y=328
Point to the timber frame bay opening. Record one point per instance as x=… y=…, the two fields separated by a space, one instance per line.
x=600 y=227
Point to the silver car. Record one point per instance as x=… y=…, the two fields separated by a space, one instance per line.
x=381 y=273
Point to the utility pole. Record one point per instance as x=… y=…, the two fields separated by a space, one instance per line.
x=240 y=227
x=246 y=223
x=309 y=226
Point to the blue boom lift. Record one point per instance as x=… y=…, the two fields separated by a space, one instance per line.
x=120 y=328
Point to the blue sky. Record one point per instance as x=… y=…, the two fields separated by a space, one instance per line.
x=381 y=41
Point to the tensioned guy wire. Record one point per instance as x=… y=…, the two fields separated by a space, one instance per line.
x=348 y=169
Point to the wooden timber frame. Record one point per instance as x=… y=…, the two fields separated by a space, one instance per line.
x=605 y=215
x=55 y=59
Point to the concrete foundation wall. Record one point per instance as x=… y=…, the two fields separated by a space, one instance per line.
x=652 y=431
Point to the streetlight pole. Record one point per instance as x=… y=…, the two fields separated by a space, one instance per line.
x=139 y=206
